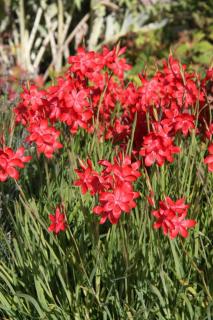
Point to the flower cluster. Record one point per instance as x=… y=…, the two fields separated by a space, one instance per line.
x=114 y=186
x=171 y=218
x=158 y=147
x=93 y=96
x=154 y=116
x=86 y=94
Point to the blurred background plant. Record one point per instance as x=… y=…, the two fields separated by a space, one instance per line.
x=34 y=35
x=38 y=36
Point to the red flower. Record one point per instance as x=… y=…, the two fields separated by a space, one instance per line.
x=118 y=65
x=180 y=226
x=85 y=62
x=164 y=218
x=32 y=97
x=158 y=147
x=32 y=106
x=76 y=112
x=113 y=186
x=178 y=206
x=10 y=160
x=45 y=138
x=171 y=218
x=209 y=159
x=185 y=123
x=178 y=121
x=114 y=202
x=57 y=221
x=122 y=168
x=89 y=178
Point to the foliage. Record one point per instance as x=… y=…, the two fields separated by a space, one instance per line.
x=92 y=271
